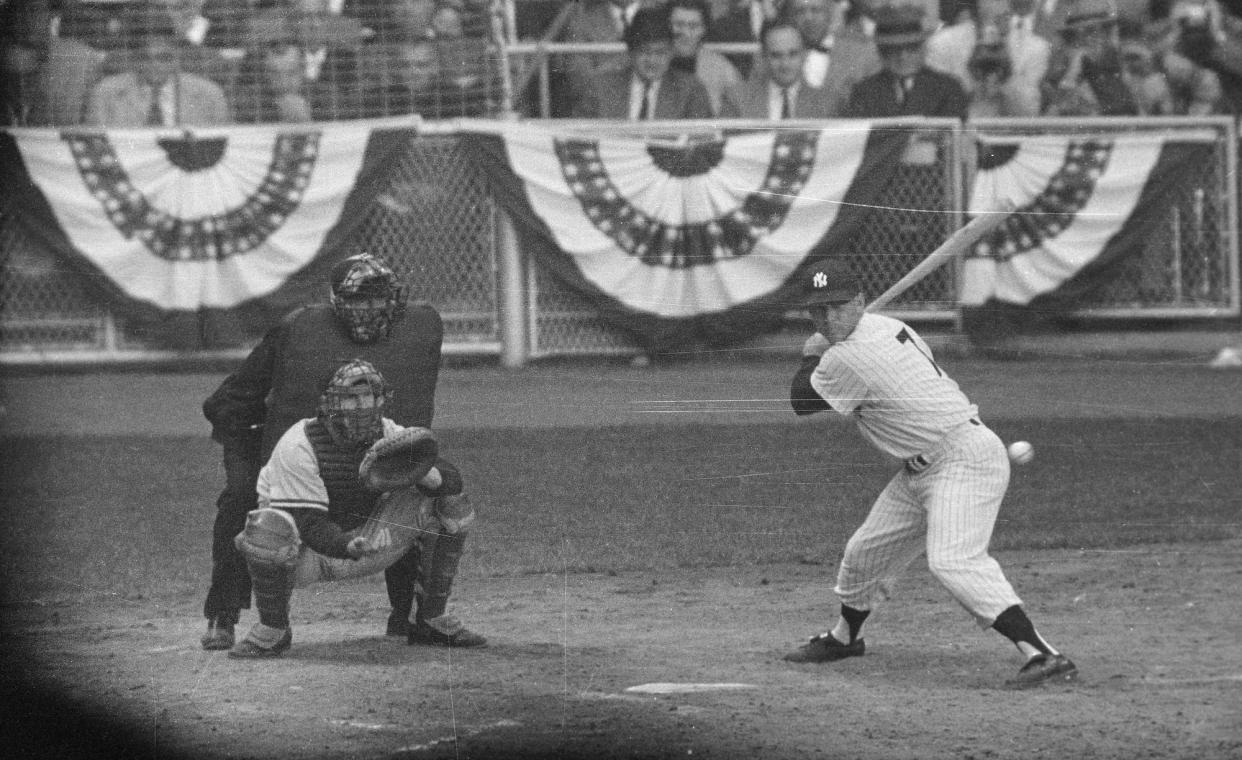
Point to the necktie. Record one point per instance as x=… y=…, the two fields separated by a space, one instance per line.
x=786 y=109
x=155 y=114
x=903 y=89
x=644 y=111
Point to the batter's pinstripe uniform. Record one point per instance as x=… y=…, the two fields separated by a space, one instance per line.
x=946 y=496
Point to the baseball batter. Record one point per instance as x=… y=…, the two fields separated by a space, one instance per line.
x=319 y=521
x=945 y=498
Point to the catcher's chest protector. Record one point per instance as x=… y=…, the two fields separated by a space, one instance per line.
x=317 y=344
x=349 y=504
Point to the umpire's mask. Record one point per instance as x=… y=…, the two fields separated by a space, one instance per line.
x=352 y=406
x=367 y=297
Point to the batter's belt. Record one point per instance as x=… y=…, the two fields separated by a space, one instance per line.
x=920 y=462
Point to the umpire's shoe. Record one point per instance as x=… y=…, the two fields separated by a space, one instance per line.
x=825 y=648
x=262 y=642
x=444 y=631
x=1042 y=669
x=219 y=634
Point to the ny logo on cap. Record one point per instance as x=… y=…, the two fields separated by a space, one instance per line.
x=819 y=280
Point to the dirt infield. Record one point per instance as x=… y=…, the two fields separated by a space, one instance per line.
x=1154 y=628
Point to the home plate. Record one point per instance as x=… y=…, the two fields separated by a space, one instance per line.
x=683 y=688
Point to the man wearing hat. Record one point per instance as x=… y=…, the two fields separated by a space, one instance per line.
x=647 y=88
x=947 y=492
x=1085 y=75
x=280 y=383
x=905 y=86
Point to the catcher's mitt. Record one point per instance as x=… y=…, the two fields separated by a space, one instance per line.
x=399 y=460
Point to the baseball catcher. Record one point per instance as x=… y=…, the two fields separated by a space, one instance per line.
x=349 y=493
x=279 y=385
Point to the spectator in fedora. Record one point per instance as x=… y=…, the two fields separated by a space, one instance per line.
x=905 y=86
x=646 y=89
x=1085 y=75
x=690 y=20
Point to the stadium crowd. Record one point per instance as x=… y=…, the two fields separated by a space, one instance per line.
x=123 y=63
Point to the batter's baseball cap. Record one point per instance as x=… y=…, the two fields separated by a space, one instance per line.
x=828 y=281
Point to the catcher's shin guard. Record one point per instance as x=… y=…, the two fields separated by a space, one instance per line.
x=441 y=554
x=270 y=544
x=400 y=579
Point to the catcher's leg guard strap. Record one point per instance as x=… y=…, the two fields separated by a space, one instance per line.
x=441 y=555
x=454 y=513
x=273 y=590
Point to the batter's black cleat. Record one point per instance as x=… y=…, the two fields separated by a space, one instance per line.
x=250 y=649
x=1042 y=669
x=398 y=624
x=444 y=631
x=825 y=648
x=219 y=635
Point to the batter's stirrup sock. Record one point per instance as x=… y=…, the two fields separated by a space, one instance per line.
x=273 y=588
x=441 y=555
x=1014 y=625
x=854 y=619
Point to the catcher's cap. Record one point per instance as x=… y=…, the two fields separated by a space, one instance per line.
x=828 y=281
x=363 y=275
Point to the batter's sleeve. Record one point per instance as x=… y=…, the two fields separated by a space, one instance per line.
x=802 y=397
x=838 y=383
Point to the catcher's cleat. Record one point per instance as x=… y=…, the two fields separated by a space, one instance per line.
x=1042 y=669
x=219 y=635
x=398 y=624
x=249 y=649
x=444 y=631
x=825 y=648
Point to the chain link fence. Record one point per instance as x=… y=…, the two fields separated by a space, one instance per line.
x=438 y=222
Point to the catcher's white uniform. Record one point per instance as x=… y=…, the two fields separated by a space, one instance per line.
x=291 y=479
x=946 y=498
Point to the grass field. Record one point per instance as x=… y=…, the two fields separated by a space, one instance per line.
x=131 y=515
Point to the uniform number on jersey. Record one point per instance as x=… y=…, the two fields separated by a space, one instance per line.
x=903 y=337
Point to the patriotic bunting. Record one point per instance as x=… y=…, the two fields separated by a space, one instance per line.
x=215 y=223
x=1082 y=207
x=680 y=242
x=695 y=242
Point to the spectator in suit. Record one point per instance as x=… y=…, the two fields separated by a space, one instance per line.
x=779 y=89
x=73 y=64
x=690 y=20
x=838 y=38
x=1194 y=36
x=647 y=88
x=155 y=91
x=271 y=81
x=588 y=21
x=741 y=21
x=905 y=86
x=24 y=36
x=1085 y=75
x=1001 y=26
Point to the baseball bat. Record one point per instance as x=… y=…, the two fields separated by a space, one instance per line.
x=957 y=243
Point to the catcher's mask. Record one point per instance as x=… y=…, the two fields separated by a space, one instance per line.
x=352 y=405
x=367 y=297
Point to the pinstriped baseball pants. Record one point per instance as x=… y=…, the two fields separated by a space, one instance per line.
x=948 y=511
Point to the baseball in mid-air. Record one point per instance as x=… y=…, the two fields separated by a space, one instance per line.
x=1021 y=452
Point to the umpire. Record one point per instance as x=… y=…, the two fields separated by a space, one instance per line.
x=279 y=383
